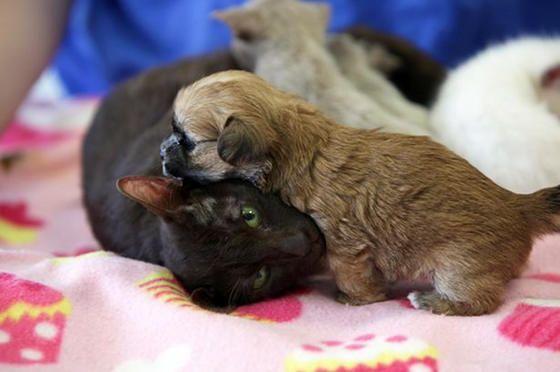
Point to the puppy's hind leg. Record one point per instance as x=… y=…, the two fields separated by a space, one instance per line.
x=357 y=279
x=459 y=292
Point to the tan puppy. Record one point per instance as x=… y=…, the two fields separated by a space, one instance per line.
x=391 y=206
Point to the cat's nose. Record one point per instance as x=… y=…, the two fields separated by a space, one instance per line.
x=315 y=236
x=296 y=244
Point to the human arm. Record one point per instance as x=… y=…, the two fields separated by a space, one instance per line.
x=31 y=32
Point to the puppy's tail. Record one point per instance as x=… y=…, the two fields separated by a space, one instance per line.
x=542 y=210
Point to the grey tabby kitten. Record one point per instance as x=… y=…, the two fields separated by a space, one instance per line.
x=295 y=59
x=355 y=60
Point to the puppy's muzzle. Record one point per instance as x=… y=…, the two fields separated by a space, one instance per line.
x=174 y=157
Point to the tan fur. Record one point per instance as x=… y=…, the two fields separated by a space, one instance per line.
x=391 y=206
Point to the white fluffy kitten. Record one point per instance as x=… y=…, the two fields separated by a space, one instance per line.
x=494 y=110
x=283 y=41
x=354 y=60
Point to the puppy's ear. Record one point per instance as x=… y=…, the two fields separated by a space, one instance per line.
x=245 y=24
x=239 y=143
x=159 y=195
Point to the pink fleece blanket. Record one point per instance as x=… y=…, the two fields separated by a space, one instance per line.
x=67 y=306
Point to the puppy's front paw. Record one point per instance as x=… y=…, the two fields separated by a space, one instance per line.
x=416 y=300
x=430 y=301
x=345 y=299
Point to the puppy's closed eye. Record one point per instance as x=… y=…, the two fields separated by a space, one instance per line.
x=187 y=143
x=239 y=143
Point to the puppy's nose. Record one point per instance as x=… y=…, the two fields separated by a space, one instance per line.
x=168 y=144
x=173 y=157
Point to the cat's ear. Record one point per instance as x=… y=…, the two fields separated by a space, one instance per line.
x=160 y=195
x=245 y=24
x=239 y=143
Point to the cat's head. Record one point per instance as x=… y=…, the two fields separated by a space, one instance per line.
x=228 y=243
x=261 y=25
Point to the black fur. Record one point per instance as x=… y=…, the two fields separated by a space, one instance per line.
x=205 y=243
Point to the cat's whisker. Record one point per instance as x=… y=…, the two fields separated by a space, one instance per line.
x=233 y=293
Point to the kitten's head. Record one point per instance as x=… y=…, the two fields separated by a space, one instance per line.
x=227 y=242
x=264 y=24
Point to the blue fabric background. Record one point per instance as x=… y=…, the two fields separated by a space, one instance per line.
x=109 y=40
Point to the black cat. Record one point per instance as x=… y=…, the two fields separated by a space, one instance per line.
x=227 y=243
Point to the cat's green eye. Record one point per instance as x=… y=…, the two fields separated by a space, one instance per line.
x=251 y=216
x=262 y=277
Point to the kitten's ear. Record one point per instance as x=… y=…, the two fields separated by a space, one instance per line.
x=322 y=12
x=160 y=195
x=245 y=24
x=551 y=78
x=381 y=59
x=239 y=143
x=550 y=89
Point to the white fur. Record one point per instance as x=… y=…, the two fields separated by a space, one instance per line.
x=413 y=298
x=491 y=111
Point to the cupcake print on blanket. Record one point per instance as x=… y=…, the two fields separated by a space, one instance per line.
x=16 y=226
x=364 y=353
x=20 y=137
x=534 y=323
x=32 y=321
x=164 y=286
